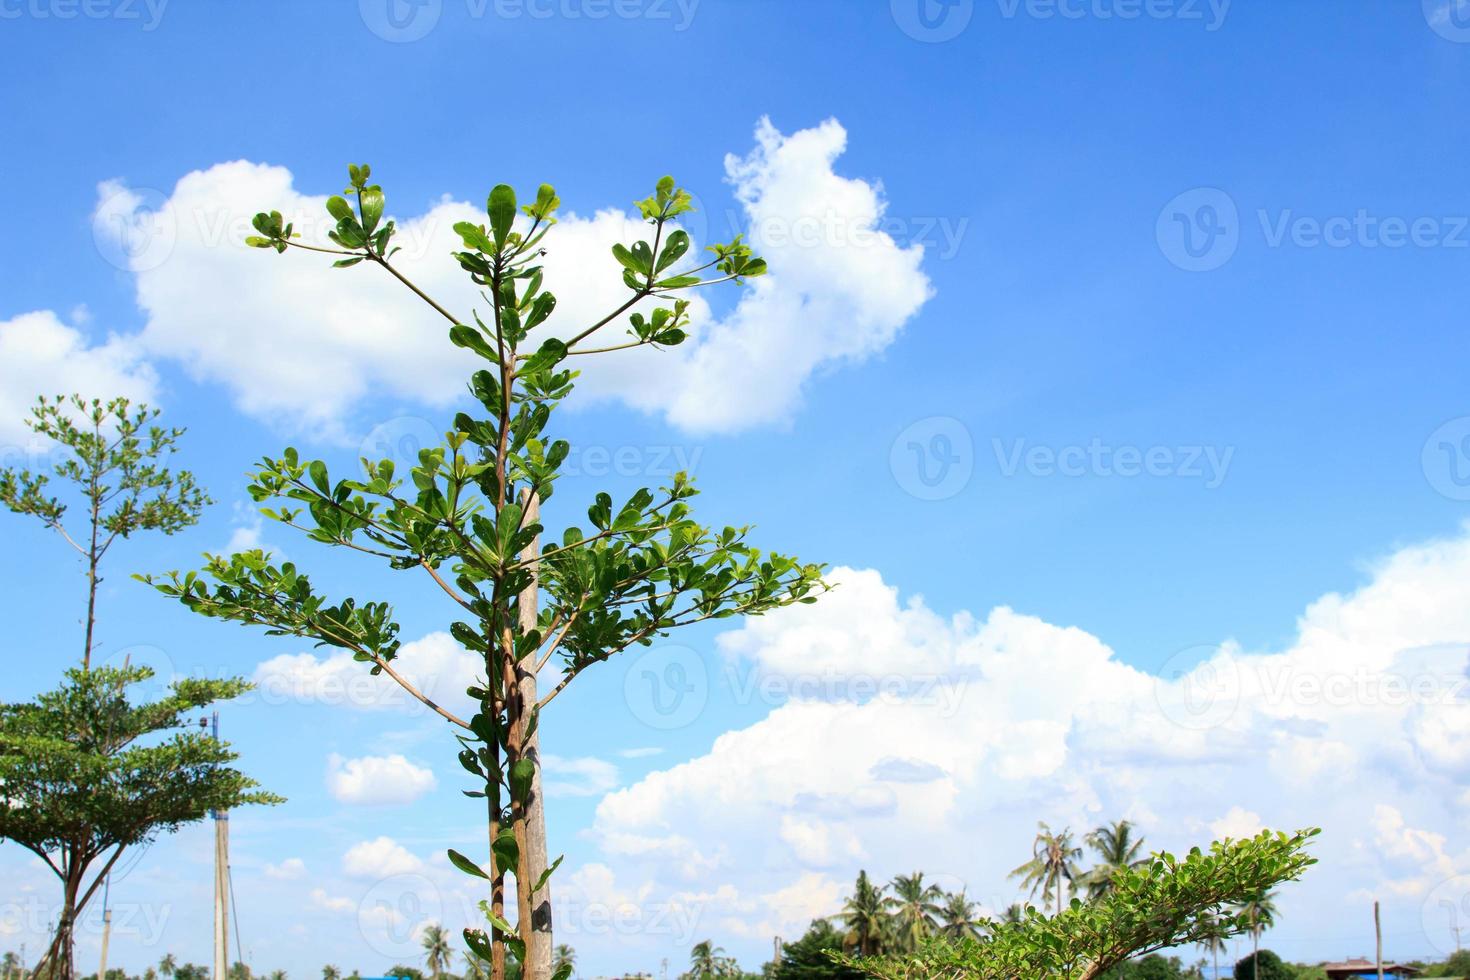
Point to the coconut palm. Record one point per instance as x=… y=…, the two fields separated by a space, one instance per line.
x=706 y=960
x=864 y=918
x=915 y=909
x=330 y=972
x=957 y=917
x=1260 y=909
x=1213 y=936
x=1052 y=866
x=563 y=956
x=278 y=975
x=168 y=965
x=1118 y=850
x=436 y=949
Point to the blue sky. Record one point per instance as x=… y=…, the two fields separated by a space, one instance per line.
x=1227 y=238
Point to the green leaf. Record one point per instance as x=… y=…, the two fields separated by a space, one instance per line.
x=502 y=210
x=506 y=851
x=465 y=864
x=338 y=208
x=372 y=208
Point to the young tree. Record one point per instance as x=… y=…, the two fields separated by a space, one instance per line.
x=467 y=516
x=112 y=454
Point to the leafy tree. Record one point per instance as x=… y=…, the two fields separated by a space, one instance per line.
x=958 y=916
x=562 y=956
x=112 y=455
x=467 y=517
x=436 y=949
x=1161 y=904
x=239 y=971
x=88 y=774
x=707 y=960
x=1263 y=964
x=1053 y=864
x=406 y=972
x=1260 y=910
x=191 y=971
x=810 y=957
x=1212 y=935
x=915 y=909
x=168 y=965
x=1118 y=849
x=1154 y=966
x=277 y=975
x=864 y=918
x=330 y=972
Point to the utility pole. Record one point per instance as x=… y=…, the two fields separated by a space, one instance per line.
x=106 y=927
x=777 y=957
x=1378 y=936
x=221 y=881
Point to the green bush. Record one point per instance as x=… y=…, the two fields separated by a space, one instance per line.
x=1264 y=965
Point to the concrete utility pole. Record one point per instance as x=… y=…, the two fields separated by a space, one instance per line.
x=221 y=882
x=533 y=848
x=1378 y=936
x=106 y=927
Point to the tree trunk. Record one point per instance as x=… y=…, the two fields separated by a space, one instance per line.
x=532 y=839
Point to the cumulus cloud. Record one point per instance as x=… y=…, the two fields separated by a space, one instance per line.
x=583 y=776
x=435 y=664
x=379 y=858
x=288 y=870
x=377 y=779
x=1354 y=727
x=840 y=290
x=42 y=355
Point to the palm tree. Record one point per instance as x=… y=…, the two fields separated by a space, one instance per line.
x=1052 y=865
x=915 y=909
x=278 y=975
x=1213 y=940
x=168 y=965
x=958 y=916
x=330 y=972
x=562 y=956
x=864 y=918
x=436 y=949
x=706 y=960
x=1118 y=850
x=475 y=968
x=1261 y=910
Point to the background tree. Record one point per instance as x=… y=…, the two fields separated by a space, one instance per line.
x=564 y=956
x=1053 y=864
x=468 y=517
x=330 y=972
x=915 y=909
x=1263 y=964
x=1118 y=849
x=112 y=455
x=810 y=957
x=864 y=918
x=707 y=960
x=1259 y=909
x=168 y=965
x=436 y=949
x=88 y=774
x=958 y=916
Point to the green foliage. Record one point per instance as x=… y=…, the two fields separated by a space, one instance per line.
x=1166 y=902
x=112 y=456
x=1458 y=965
x=809 y=958
x=467 y=512
x=1154 y=966
x=1263 y=965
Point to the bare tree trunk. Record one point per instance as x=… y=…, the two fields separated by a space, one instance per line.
x=532 y=841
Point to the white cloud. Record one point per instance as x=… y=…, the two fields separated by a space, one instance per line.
x=41 y=355
x=840 y=291
x=439 y=667
x=584 y=776
x=377 y=779
x=379 y=858
x=331 y=903
x=642 y=752
x=1362 y=710
x=288 y=870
